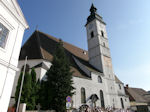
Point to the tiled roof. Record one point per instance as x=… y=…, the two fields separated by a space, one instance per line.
x=117 y=80
x=137 y=94
x=42 y=46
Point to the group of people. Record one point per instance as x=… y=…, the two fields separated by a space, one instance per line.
x=86 y=108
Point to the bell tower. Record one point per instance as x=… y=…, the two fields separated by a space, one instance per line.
x=98 y=49
x=99 y=56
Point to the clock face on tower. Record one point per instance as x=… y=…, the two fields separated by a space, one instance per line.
x=90 y=26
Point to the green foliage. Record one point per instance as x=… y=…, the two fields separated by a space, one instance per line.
x=43 y=96
x=37 y=92
x=33 y=95
x=29 y=90
x=18 y=89
x=59 y=82
x=33 y=75
x=26 y=91
x=52 y=93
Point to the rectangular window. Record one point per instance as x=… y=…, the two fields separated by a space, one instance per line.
x=3 y=35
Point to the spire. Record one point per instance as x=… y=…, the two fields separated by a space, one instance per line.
x=93 y=9
x=94 y=15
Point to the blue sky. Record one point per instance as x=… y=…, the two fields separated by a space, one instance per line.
x=128 y=28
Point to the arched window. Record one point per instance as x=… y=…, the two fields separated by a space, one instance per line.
x=99 y=79
x=102 y=33
x=122 y=104
x=92 y=34
x=102 y=99
x=83 y=95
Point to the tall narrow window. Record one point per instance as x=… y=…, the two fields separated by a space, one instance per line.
x=119 y=86
x=104 y=44
x=83 y=95
x=99 y=79
x=102 y=99
x=122 y=104
x=92 y=34
x=3 y=35
x=102 y=33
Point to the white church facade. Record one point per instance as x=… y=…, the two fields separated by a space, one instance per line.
x=93 y=73
x=12 y=26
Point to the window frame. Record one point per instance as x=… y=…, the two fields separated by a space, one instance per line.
x=102 y=99
x=92 y=34
x=99 y=79
x=102 y=33
x=122 y=102
x=120 y=87
x=4 y=35
x=9 y=26
x=83 y=95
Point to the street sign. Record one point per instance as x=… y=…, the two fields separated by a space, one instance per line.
x=68 y=105
x=68 y=99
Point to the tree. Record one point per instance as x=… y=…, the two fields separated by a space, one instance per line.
x=43 y=93
x=33 y=95
x=59 y=81
x=38 y=88
x=29 y=89
x=26 y=91
x=18 y=89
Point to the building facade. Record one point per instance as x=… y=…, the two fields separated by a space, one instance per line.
x=139 y=99
x=93 y=75
x=12 y=26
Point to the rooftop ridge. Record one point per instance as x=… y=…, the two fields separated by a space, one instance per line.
x=56 y=39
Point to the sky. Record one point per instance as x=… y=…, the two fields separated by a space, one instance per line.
x=128 y=29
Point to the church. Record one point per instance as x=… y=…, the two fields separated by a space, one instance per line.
x=93 y=73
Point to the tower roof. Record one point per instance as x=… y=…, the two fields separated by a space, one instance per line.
x=94 y=15
x=93 y=9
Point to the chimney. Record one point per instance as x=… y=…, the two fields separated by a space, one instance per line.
x=127 y=86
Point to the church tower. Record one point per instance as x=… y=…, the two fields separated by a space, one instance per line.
x=98 y=49
x=99 y=53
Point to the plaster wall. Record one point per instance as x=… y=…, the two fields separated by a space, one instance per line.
x=10 y=53
x=91 y=87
